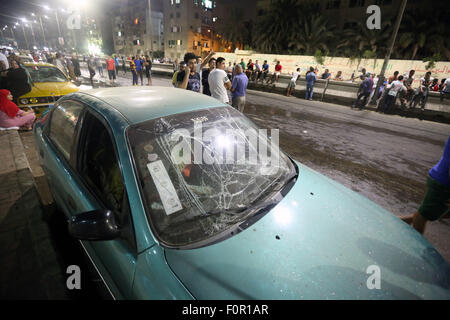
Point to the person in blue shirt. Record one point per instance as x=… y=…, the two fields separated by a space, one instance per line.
x=437 y=197
x=365 y=90
x=311 y=78
x=116 y=61
x=139 y=68
x=265 y=71
x=238 y=88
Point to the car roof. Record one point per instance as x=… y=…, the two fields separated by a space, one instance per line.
x=39 y=64
x=139 y=104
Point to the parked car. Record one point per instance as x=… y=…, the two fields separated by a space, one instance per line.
x=48 y=85
x=158 y=224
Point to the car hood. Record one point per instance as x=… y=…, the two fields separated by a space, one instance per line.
x=322 y=241
x=45 y=89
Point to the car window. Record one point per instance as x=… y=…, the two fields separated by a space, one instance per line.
x=99 y=167
x=62 y=126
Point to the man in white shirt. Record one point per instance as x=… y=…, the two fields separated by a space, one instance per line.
x=3 y=61
x=218 y=81
x=374 y=86
x=394 y=88
x=445 y=92
x=291 y=85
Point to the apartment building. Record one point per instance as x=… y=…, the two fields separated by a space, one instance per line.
x=189 y=27
x=138 y=26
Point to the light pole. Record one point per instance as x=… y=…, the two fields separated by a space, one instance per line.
x=24 y=35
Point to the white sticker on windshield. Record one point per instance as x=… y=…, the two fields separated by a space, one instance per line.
x=165 y=187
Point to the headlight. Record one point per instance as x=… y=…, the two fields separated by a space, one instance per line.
x=33 y=100
x=23 y=101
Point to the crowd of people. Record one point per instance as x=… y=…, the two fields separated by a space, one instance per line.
x=394 y=87
x=212 y=77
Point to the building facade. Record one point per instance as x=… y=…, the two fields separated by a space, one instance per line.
x=138 y=27
x=189 y=27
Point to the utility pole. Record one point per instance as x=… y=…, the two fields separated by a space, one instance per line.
x=25 y=36
x=42 y=29
x=391 y=46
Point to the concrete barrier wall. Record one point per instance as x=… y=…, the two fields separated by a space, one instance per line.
x=291 y=62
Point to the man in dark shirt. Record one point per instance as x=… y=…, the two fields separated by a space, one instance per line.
x=205 y=74
x=189 y=79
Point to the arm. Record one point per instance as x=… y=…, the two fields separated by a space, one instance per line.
x=233 y=85
x=183 y=84
x=205 y=62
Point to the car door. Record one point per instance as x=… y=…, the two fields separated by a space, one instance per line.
x=73 y=134
x=99 y=171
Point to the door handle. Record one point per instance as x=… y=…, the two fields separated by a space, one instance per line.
x=71 y=203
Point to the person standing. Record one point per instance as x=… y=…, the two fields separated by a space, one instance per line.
x=180 y=68
x=76 y=66
x=238 y=88
x=91 y=68
x=99 y=65
x=219 y=82
x=148 y=69
x=291 y=85
x=139 y=67
x=437 y=196
x=205 y=75
x=116 y=64
x=230 y=71
x=189 y=79
x=111 y=67
x=394 y=88
x=60 y=64
x=124 y=67
x=393 y=77
x=133 y=72
x=311 y=78
x=242 y=64
x=365 y=90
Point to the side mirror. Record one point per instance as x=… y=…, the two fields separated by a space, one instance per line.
x=94 y=225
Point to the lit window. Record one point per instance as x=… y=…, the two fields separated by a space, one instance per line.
x=179 y=42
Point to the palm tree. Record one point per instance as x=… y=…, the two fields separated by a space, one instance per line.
x=273 y=31
x=310 y=35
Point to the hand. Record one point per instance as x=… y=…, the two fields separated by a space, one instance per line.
x=187 y=70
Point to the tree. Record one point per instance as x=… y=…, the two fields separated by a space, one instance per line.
x=233 y=30
x=310 y=35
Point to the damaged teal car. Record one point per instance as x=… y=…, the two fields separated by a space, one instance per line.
x=175 y=195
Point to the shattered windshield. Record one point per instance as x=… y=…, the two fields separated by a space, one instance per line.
x=202 y=172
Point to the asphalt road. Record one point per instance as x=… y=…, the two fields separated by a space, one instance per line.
x=386 y=158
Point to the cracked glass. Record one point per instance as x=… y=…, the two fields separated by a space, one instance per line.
x=203 y=173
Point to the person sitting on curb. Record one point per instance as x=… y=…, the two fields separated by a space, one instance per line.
x=11 y=115
x=436 y=202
